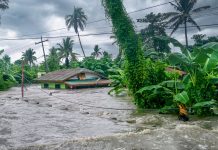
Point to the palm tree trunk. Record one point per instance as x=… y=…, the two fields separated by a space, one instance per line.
x=186 y=35
x=67 y=62
x=81 y=45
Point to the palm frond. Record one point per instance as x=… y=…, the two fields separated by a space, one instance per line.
x=176 y=25
x=190 y=20
x=190 y=4
x=197 y=10
x=175 y=6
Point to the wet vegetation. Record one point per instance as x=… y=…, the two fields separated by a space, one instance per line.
x=145 y=68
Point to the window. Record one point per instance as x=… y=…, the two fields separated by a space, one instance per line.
x=46 y=85
x=57 y=86
x=82 y=76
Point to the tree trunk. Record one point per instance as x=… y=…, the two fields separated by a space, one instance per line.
x=81 y=45
x=186 y=35
x=130 y=42
x=67 y=62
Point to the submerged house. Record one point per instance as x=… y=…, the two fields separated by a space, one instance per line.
x=72 y=79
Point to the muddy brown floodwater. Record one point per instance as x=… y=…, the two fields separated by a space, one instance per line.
x=42 y=121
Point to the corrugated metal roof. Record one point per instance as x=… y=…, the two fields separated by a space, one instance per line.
x=63 y=75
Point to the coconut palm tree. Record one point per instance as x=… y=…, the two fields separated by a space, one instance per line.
x=1 y=51
x=4 y=5
x=96 y=52
x=183 y=15
x=6 y=59
x=66 y=50
x=28 y=56
x=77 y=20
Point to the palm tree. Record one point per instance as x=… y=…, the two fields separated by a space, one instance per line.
x=28 y=56
x=77 y=20
x=6 y=59
x=106 y=54
x=4 y=5
x=66 y=50
x=96 y=52
x=1 y=51
x=183 y=15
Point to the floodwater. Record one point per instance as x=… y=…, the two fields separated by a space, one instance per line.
x=66 y=119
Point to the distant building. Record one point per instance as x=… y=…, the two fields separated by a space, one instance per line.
x=39 y=74
x=72 y=79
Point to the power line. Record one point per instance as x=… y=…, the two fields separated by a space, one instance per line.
x=206 y=25
x=52 y=37
x=92 y=34
x=150 y=7
x=135 y=11
x=98 y=20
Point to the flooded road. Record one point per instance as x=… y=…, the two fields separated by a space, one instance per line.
x=64 y=120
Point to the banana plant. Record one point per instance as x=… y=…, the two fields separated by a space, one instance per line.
x=119 y=81
x=200 y=66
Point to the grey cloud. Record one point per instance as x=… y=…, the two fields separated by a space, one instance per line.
x=31 y=16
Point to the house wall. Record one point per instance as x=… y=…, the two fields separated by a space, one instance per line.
x=52 y=85
x=88 y=76
x=91 y=76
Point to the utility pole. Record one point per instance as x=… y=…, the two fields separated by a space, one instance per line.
x=22 y=79
x=46 y=64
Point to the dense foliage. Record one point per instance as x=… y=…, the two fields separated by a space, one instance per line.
x=188 y=78
x=145 y=68
x=128 y=41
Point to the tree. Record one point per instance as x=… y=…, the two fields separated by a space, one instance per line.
x=106 y=55
x=18 y=62
x=201 y=39
x=4 y=5
x=1 y=51
x=53 y=59
x=77 y=20
x=66 y=50
x=155 y=29
x=28 y=56
x=130 y=43
x=96 y=52
x=183 y=15
x=6 y=59
x=198 y=39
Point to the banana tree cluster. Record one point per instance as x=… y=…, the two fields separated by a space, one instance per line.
x=197 y=89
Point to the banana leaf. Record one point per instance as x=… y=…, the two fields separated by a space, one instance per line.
x=178 y=58
x=154 y=90
x=207 y=56
x=182 y=98
x=173 y=84
x=205 y=104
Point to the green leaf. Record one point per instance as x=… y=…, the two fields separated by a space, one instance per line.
x=213 y=80
x=149 y=88
x=173 y=84
x=182 y=98
x=207 y=56
x=212 y=45
x=205 y=104
x=178 y=58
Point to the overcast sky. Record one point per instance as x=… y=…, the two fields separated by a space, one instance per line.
x=26 y=17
